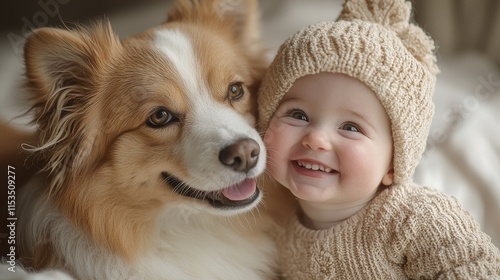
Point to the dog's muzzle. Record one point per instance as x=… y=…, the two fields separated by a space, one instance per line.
x=241 y=156
x=236 y=196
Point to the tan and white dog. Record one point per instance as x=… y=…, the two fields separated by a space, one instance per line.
x=150 y=149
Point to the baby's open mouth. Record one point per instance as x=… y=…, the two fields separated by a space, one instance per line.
x=235 y=196
x=315 y=166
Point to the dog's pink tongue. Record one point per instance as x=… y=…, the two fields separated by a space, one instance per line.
x=240 y=191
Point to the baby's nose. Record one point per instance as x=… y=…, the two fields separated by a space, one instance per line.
x=317 y=139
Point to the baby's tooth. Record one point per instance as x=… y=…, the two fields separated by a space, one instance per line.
x=314 y=166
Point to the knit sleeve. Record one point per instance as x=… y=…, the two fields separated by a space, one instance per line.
x=444 y=242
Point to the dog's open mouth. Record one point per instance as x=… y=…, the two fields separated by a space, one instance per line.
x=235 y=196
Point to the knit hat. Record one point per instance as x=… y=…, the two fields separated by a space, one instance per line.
x=374 y=42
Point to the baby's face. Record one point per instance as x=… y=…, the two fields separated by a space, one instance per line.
x=330 y=140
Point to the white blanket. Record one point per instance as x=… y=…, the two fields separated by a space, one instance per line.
x=463 y=155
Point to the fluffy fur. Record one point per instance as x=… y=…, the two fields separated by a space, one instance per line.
x=149 y=149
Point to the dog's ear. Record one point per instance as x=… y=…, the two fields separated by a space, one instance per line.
x=62 y=68
x=240 y=16
x=243 y=17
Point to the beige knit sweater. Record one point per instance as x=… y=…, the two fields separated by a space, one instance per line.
x=405 y=232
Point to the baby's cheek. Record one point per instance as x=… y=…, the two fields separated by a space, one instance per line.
x=354 y=156
x=271 y=132
x=268 y=137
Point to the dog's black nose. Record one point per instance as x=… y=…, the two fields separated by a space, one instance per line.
x=241 y=155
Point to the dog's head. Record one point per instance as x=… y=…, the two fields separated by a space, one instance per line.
x=129 y=127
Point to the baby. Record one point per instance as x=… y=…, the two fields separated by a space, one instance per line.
x=346 y=108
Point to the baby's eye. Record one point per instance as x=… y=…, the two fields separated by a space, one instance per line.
x=350 y=127
x=297 y=114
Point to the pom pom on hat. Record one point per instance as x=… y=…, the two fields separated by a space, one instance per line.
x=395 y=16
x=374 y=42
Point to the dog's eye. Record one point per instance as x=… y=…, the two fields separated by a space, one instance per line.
x=235 y=91
x=160 y=117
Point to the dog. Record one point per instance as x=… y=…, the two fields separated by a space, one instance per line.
x=149 y=150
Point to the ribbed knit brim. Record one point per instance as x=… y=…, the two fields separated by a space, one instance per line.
x=402 y=78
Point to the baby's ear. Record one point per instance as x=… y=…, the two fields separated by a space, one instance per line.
x=388 y=178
